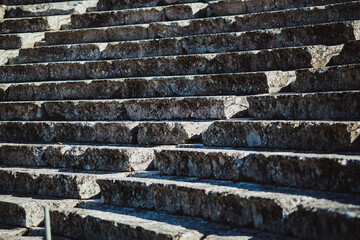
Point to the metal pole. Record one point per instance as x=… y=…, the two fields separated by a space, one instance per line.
x=47 y=223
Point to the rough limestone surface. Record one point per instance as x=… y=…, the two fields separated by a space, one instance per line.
x=331 y=172
x=28 y=211
x=82 y=157
x=2 y=12
x=7 y=232
x=295 y=135
x=264 y=207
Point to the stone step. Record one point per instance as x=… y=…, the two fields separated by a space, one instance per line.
x=147 y=87
x=81 y=157
x=140 y=15
x=246 y=6
x=180 y=108
x=327 y=34
x=180 y=12
x=299 y=213
x=336 y=78
x=60 y=183
x=307 y=106
x=28 y=211
x=107 y=222
x=349 y=54
x=127 y=132
x=10 y=232
x=35 y=24
x=330 y=172
x=28 y=2
x=246 y=61
x=49 y=9
x=238 y=23
x=21 y=40
x=294 y=135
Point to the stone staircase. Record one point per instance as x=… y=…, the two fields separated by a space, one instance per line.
x=180 y=119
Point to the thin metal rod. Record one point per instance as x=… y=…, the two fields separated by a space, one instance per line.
x=47 y=223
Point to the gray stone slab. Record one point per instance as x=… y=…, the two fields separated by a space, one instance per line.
x=293 y=135
x=330 y=172
x=282 y=210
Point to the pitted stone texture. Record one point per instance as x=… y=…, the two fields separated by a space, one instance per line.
x=10 y=232
x=20 y=40
x=294 y=135
x=337 y=78
x=49 y=9
x=266 y=20
x=139 y=15
x=201 y=108
x=192 y=85
x=243 y=6
x=308 y=106
x=107 y=222
x=28 y=211
x=330 y=172
x=2 y=12
x=145 y=133
x=328 y=34
x=27 y=2
x=262 y=60
x=37 y=24
x=51 y=182
x=83 y=157
x=349 y=54
x=275 y=209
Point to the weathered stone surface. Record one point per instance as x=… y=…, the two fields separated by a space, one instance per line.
x=348 y=55
x=266 y=20
x=191 y=85
x=106 y=222
x=83 y=157
x=139 y=15
x=145 y=133
x=137 y=109
x=328 y=34
x=20 y=40
x=248 y=61
x=295 y=135
x=244 y=6
x=36 y=24
x=331 y=172
x=337 y=78
x=50 y=182
x=2 y=12
x=7 y=232
x=28 y=211
x=307 y=106
x=25 y=2
x=49 y=9
x=276 y=209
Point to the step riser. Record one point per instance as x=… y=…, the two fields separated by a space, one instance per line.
x=152 y=109
x=28 y=212
x=327 y=79
x=62 y=186
x=94 y=226
x=202 y=85
x=23 y=40
x=146 y=133
x=208 y=26
x=329 y=34
x=277 y=59
x=77 y=157
x=293 y=170
x=22 y=2
x=29 y=25
x=349 y=54
x=244 y=6
x=321 y=106
x=49 y=9
x=282 y=215
x=322 y=136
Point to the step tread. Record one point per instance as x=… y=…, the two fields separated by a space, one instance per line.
x=155 y=224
